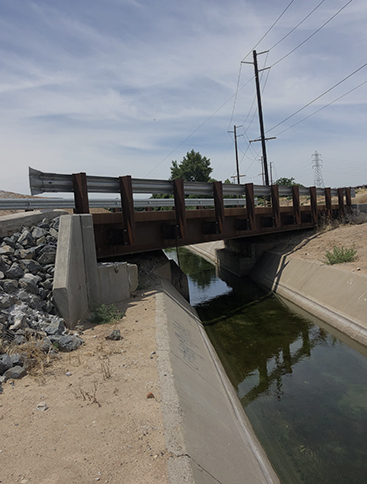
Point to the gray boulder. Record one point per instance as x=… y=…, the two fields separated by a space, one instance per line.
x=7 y=301
x=15 y=271
x=5 y=363
x=9 y=285
x=67 y=342
x=31 y=265
x=47 y=255
x=26 y=239
x=15 y=372
x=56 y=327
x=6 y=250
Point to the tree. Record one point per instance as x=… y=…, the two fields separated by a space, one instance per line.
x=193 y=167
x=286 y=182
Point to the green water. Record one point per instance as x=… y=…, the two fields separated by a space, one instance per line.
x=303 y=389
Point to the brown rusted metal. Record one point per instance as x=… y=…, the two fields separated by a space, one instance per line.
x=341 y=201
x=80 y=193
x=150 y=233
x=348 y=199
x=179 y=194
x=275 y=204
x=329 y=212
x=296 y=205
x=127 y=205
x=314 y=211
x=219 y=206
x=250 y=205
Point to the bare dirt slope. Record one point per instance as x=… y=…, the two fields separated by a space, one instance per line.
x=315 y=245
x=99 y=425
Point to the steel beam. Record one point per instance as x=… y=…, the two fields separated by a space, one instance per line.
x=219 y=206
x=80 y=192
x=296 y=205
x=127 y=205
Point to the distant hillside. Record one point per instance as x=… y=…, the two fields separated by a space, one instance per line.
x=4 y=194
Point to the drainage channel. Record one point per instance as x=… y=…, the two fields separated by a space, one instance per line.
x=302 y=385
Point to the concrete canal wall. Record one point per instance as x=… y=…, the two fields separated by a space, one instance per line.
x=332 y=294
x=206 y=428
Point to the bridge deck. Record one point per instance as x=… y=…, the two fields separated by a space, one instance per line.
x=133 y=231
x=157 y=230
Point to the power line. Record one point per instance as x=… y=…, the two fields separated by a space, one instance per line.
x=235 y=97
x=270 y=28
x=321 y=95
x=323 y=107
x=314 y=33
x=239 y=72
x=300 y=23
x=195 y=130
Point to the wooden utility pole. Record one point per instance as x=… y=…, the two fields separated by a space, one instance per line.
x=237 y=167
x=261 y=119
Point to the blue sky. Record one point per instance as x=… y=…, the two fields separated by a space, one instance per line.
x=119 y=87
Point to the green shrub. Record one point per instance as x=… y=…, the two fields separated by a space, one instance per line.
x=340 y=255
x=106 y=313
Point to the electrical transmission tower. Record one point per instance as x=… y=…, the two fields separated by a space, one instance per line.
x=317 y=164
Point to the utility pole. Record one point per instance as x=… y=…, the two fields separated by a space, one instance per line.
x=261 y=118
x=235 y=144
x=271 y=172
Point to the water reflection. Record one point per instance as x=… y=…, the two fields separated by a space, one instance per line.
x=204 y=284
x=304 y=391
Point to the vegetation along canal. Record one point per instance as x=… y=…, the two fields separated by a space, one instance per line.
x=303 y=388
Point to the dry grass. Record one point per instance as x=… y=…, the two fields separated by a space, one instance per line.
x=106 y=368
x=91 y=396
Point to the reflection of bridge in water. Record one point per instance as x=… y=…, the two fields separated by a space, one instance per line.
x=180 y=221
x=262 y=349
x=284 y=361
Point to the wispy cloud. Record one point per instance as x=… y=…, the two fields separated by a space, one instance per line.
x=113 y=87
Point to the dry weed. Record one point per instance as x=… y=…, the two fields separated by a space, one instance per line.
x=90 y=396
x=106 y=369
x=36 y=358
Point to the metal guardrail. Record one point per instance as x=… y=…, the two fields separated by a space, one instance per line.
x=41 y=182
x=63 y=203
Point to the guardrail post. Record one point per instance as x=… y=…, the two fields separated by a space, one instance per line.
x=80 y=192
x=348 y=199
x=250 y=205
x=341 y=201
x=219 y=205
x=275 y=204
x=179 y=195
x=296 y=205
x=313 y=197
x=328 y=203
x=127 y=204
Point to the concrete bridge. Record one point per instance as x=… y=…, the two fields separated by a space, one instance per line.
x=228 y=211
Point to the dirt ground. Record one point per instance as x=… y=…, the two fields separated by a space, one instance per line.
x=99 y=424
x=315 y=245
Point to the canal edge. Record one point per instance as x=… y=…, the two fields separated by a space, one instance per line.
x=195 y=392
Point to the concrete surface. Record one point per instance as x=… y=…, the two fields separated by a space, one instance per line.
x=12 y=223
x=332 y=294
x=80 y=284
x=206 y=428
x=70 y=284
x=207 y=250
x=173 y=274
